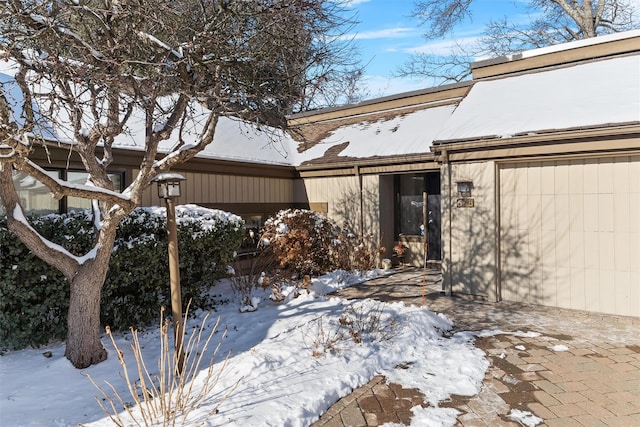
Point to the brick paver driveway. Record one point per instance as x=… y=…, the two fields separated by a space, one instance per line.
x=566 y=367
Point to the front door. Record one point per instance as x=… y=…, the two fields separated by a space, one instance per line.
x=412 y=219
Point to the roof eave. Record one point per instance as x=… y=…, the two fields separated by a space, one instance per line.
x=610 y=131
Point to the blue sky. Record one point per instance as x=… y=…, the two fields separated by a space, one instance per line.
x=387 y=34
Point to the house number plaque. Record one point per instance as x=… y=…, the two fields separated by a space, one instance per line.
x=466 y=202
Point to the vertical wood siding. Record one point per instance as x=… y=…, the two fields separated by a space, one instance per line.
x=574 y=228
x=214 y=188
x=342 y=197
x=471 y=259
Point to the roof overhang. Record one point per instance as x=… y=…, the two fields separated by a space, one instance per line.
x=577 y=51
x=439 y=95
x=619 y=138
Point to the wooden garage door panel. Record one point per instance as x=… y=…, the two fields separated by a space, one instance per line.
x=569 y=233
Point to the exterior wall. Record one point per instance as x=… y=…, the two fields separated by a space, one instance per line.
x=386 y=222
x=468 y=233
x=240 y=194
x=346 y=203
x=570 y=235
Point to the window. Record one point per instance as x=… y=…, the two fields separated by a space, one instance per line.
x=409 y=189
x=77 y=203
x=252 y=226
x=409 y=213
x=36 y=197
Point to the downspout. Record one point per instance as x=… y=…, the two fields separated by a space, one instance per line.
x=356 y=169
x=447 y=282
x=498 y=253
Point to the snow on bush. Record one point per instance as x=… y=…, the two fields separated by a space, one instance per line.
x=33 y=310
x=308 y=243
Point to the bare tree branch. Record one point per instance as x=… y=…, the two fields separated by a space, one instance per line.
x=55 y=256
x=552 y=22
x=87 y=74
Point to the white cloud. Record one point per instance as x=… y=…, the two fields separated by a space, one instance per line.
x=389 y=33
x=351 y=3
x=443 y=47
x=379 y=86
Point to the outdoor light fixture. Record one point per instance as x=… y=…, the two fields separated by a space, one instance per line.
x=464 y=188
x=168 y=189
x=168 y=184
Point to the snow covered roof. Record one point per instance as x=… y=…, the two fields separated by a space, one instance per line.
x=586 y=95
x=398 y=132
x=393 y=132
x=234 y=140
x=598 y=93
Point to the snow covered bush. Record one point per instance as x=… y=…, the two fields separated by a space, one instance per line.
x=137 y=281
x=34 y=297
x=301 y=240
x=308 y=243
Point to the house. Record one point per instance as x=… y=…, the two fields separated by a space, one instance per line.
x=524 y=182
x=550 y=142
x=538 y=159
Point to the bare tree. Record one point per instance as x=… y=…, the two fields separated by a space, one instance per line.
x=551 y=22
x=87 y=72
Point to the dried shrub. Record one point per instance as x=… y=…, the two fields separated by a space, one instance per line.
x=248 y=273
x=169 y=397
x=301 y=240
x=358 y=323
x=325 y=340
x=308 y=243
x=369 y=323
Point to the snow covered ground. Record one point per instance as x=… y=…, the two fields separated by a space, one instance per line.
x=285 y=358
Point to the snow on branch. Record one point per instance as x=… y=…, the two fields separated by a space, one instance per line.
x=160 y=43
x=18 y=215
x=39 y=19
x=61 y=188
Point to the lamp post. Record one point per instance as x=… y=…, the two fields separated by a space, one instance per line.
x=168 y=189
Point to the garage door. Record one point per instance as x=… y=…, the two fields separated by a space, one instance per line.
x=570 y=234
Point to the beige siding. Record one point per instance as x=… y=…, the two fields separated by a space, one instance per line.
x=214 y=188
x=469 y=242
x=299 y=191
x=569 y=233
x=342 y=198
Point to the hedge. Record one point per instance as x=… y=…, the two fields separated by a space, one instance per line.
x=34 y=298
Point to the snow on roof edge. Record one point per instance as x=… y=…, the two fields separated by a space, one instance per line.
x=557 y=48
x=453 y=142
x=548 y=101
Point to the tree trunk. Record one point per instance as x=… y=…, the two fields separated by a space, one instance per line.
x=84 y=347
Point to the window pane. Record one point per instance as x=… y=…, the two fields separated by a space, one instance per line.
x=252 y=224
x=410 y=197
x=35 y=197
x=77 y=203
x=411 y=215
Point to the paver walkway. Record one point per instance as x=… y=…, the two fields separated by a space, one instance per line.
x=579 y=369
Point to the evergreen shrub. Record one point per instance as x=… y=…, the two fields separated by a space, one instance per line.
x=34 y=297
